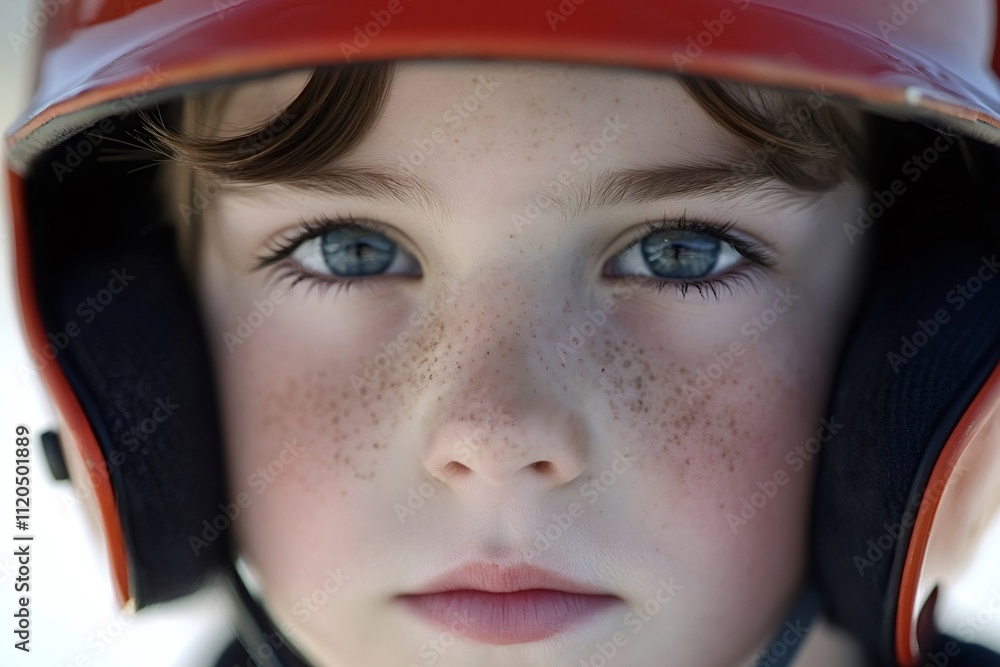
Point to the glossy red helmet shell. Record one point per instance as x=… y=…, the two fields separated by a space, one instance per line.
x=936 y=61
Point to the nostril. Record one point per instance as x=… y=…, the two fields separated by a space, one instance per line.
x=455 y=468
x=543 y=467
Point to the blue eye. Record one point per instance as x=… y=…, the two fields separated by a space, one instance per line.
x=676 y=254
x=352 y=250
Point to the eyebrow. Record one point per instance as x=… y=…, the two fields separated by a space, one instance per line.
x=725 y=179
x=366 y=183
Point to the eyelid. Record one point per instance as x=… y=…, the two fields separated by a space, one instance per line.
x=284 y=243
x=751 y=249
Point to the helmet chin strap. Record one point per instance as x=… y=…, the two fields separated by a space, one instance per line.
x=790 y=637
x=269 y=648
x=254 y=628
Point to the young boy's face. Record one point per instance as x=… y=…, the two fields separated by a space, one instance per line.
x=513 y=381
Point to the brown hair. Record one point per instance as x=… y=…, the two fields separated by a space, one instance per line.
x=801 y=139
x=807 y=145
x=329 y=118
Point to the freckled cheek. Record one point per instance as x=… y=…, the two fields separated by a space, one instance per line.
x=726 y=423
x=706 y=455
x=298 y=446
x=302 y=371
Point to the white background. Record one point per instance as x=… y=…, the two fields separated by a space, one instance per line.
x=74 y=618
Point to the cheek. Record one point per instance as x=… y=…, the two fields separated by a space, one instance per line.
x=314 y=379
x=708 y=430
x=303 y=443
x=719 y=397
x=724 y=474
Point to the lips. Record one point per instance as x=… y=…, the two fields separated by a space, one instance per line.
x=495 y=605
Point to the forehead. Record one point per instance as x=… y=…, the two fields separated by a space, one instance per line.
x=448 y=114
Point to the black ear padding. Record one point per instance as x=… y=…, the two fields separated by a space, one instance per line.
x=114 y=299
x=898 y=402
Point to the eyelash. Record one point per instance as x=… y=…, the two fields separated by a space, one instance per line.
x=281 y=247
x=749 y=280
x=760 y=257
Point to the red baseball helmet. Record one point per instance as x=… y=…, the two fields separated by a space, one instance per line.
x=915 y=452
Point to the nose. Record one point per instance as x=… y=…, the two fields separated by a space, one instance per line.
x=504 y=413
x=478 y=441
